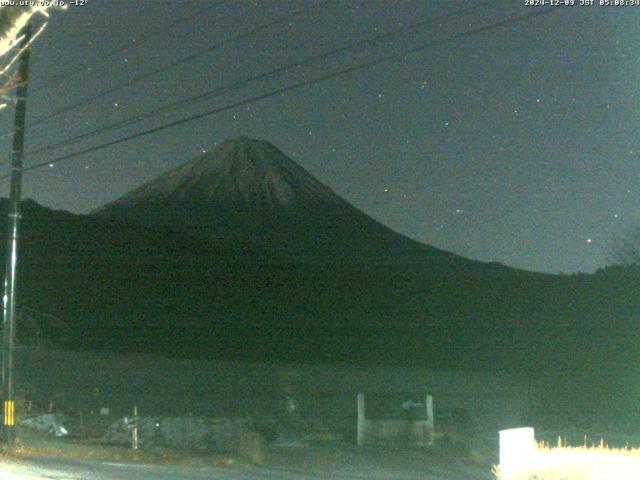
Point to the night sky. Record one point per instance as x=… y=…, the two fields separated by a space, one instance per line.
x=515 y=145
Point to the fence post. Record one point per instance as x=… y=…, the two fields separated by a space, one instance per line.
x=134 y=430
x=361 y=419
x=83 y=430
x=430 y=425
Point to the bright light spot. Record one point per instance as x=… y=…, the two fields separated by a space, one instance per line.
x=386 y=190
x=589 y=240
x=517 y=446
x=51 y=165
x=9 y=35
x=571 y=463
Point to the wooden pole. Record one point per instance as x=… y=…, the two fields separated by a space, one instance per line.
x=10 y=278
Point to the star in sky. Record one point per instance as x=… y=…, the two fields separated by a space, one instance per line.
x=497 y=149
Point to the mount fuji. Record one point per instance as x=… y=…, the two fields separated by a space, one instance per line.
x=242 y=254
x=248 y=191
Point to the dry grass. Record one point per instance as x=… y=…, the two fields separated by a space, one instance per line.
x=577 y=463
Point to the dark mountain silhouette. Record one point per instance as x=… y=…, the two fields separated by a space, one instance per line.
x=249 y=191
x=304 y=277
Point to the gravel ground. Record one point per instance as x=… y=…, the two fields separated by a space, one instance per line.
x=70 y=459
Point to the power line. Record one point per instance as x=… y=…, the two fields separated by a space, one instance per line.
x=289 y=88
x=241 y=83
x=60 y=77
x=174 y=64
x=273 y=93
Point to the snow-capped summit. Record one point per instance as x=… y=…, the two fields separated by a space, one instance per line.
x=241 y=172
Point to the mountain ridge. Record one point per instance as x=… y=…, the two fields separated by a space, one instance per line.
x=128 y=288
x=248 y=189
x=287 y=282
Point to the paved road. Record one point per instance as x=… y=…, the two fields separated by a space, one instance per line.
x=325 y=461
x=66 y=469
x=72 y=469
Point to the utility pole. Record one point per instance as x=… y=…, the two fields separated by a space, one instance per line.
x=10 y=278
